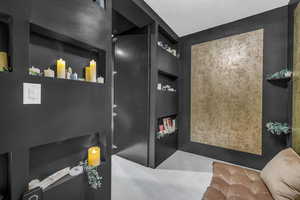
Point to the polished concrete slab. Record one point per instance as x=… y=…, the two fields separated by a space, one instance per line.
x=183 y=176
x=184 y=161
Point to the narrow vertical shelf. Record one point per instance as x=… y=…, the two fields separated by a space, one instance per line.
x=167 y=99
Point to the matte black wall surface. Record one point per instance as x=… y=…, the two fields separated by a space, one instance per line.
x=84 y=20
x=165 y=147
x=275 y=99
x=120 y=24
x=167 y=63
x=132 y=12
x=69 y=109
x=293 y=1
x=4 y=35
x=4 y=166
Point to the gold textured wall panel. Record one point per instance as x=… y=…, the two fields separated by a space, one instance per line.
x=226 y=103
x=296 y=82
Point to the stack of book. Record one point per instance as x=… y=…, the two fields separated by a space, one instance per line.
x=167 y=127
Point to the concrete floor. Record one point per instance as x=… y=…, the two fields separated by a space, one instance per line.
x=183 y=176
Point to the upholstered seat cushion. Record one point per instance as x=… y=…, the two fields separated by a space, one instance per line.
x=282 y=175
x=235 y=183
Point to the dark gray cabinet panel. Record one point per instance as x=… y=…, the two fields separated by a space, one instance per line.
x=132 y=97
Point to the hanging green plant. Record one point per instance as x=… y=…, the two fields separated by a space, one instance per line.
x=283 y=74
x=277 y=128
x=95 y=181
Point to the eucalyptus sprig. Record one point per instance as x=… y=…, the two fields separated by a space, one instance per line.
x=285 y=73
x=94 y=179
x=277 y=128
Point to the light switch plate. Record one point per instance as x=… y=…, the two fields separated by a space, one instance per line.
x=31 y=93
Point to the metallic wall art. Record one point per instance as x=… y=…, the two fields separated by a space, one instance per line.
x=296 y=83
x=226 y=79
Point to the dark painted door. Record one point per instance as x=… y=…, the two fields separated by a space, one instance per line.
x=132 y=97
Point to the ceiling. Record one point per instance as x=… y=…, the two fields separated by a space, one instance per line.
x=190 y=16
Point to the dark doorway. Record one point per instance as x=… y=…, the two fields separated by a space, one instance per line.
x=131 y=90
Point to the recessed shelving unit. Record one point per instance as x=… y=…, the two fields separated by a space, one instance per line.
x=72 y=115
x=166 y=126
x=47 y=46
x=4 y=178
x=167 y=98
x=167 y=145
x=167 y=63
x=167 y=101
x=5 y=39
x=50 y=158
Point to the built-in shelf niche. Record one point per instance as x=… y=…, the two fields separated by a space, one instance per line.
x=50 y=158
x=47 y=46
x=4 y=176
x=160 y=121
x=5 y=39
x=167 y=102
x=166 y=79
x=167 y=145
x=166 y=62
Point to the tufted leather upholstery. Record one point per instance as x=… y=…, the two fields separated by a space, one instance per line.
x=235 y=183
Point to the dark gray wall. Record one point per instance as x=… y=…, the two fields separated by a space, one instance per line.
x=69 y=109
x=275 y=97
x=293 y=1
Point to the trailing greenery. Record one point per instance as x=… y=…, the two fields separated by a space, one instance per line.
x=285 y=73
x=95 y=181
x=277 y=128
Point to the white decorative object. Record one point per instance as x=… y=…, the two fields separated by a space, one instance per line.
x=171 y=90
x=34 y=184
x=100 y=80
x=74 y=76
x=288 y=74
x=159 y=86
x=75 y=171
x=34 y=71
x=49 y=73
x=31 y=93
x=69 y=73
x=54 y=177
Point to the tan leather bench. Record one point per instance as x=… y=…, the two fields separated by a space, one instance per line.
x=235 y=183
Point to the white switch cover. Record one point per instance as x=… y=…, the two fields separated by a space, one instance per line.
x=31 y=93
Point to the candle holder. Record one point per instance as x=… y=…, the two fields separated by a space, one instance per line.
x=94 y=156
